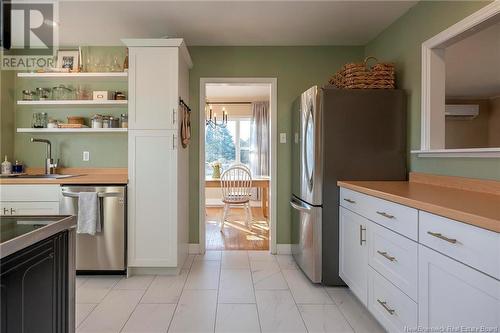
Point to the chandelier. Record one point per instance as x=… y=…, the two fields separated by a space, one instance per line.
x=211 y=117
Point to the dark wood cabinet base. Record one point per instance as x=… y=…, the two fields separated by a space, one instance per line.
x=35 y=292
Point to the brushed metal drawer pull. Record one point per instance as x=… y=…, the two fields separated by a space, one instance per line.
x=384 y=305
x=385 y=255
x=384 y=214
x=440 y=236
x=361 y=240
x=350 y=201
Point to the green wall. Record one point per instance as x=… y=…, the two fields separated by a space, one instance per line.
x=401 y=43
x=296 y=68
x=106 y=149
x=7 y=93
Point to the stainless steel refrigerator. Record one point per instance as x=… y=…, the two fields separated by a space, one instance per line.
x=339 y=135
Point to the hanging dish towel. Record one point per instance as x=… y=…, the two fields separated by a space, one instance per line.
x=185 y=126
x=89 y=217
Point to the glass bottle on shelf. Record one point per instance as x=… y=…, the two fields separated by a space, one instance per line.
x=39 y=120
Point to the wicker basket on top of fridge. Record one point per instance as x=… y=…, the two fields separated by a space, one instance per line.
x=365 y=76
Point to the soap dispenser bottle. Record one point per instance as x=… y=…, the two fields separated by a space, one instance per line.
x=6 y=167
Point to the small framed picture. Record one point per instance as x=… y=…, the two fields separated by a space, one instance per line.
x=68 y=59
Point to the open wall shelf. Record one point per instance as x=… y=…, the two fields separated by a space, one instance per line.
x=72 y=130
x=74 y=102
x=74 y=75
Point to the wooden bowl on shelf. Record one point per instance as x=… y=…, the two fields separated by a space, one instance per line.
x=75 y=120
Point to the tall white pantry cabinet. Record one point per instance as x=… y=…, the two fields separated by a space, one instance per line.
x=157 y=163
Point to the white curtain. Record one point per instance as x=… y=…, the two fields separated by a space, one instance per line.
x=259 y=139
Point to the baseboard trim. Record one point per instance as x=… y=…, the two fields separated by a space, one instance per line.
x=284 y=248
x=153 y=271
x=193 y=248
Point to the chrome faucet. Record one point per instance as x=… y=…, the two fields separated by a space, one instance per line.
x=50 y=166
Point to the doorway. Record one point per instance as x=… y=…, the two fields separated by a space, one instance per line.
x=238 y=133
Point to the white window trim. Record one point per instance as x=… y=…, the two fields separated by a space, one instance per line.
x=237 y=144
x=433 y=89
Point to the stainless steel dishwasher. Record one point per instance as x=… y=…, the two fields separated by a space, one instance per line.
x=105 y=251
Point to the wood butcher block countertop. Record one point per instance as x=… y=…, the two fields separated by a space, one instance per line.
x=474 y=202
x=110 y=176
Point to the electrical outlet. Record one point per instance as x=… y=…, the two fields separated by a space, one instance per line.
x=282 y=137
x=86 y=156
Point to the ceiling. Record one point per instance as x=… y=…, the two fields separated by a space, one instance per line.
x=237 y=92
x=472 y=65
x=228 y=22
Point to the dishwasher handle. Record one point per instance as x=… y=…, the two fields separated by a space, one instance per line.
x=99 y=194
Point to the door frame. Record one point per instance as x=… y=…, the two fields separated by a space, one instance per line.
x=273 y=104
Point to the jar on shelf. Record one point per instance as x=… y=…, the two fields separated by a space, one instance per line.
x=114 y=122
x=97 y=121
x=62 y=92
x=29 y=95
x=120 y=96
x=124 y=120
x=105 y=122
x=42 y=94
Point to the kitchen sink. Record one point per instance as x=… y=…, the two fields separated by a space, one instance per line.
x=51 y=176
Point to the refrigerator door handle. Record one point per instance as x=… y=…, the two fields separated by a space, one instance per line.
x=301 y=206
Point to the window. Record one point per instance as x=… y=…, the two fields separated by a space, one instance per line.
x=228 y=145
x=460 y=116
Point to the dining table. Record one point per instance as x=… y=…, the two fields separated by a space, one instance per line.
x=261 y=182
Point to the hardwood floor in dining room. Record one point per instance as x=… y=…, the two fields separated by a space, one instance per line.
x=236 y=235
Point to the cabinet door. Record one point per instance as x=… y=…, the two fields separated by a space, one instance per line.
x=29 y=208
x=354 y=253
x=34 y=288
x=152 y=188
x=453 y=294
x=153 y=91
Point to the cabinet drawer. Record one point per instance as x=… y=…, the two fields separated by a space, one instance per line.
x=30 y=192
x=395 y=257
x=399 y=218
x=476 y=247
x=392 y=308
x=29 y=208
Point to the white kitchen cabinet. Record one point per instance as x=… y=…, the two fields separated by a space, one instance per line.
x=453 y=294
x=29 y=199
x=157 y=163
x=153 y=91
x=395 y=257
x=354 y=253
x=392 y=308
x=29 y=208
x=424 y=271
x=30 y=193
x=152 y=198
x=476 y=247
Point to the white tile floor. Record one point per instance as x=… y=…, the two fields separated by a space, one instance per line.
x=232 y=291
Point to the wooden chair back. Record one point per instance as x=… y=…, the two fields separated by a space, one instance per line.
x=236 y=184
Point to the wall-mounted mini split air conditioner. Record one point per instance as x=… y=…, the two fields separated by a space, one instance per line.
x=462 y=111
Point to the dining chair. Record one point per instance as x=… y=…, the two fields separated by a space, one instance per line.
x=236 y=185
